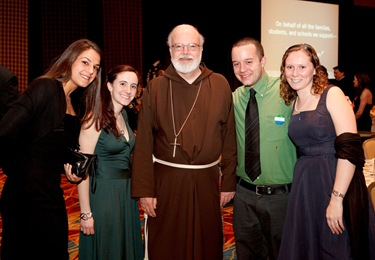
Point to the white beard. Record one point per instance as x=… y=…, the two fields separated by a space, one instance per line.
x=186 y=67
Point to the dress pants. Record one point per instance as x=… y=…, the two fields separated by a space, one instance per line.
x=258 y=222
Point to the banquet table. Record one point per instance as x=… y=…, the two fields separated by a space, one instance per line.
x=366 y=135
x=369 y=171
x=369 y=178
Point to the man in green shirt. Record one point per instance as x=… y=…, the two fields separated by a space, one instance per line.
x=260 y=205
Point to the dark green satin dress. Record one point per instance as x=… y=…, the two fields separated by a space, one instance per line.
x=116 y=215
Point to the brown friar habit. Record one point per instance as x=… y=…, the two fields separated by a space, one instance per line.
x=358 y=211
x=188 y=224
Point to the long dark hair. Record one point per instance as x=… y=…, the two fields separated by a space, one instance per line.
x=61 y=70
x=102 y=113
x=363 y=79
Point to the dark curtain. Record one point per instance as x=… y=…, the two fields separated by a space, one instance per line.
x=14 y=39
x=33 y=33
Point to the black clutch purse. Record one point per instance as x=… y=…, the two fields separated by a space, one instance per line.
x=83 y=163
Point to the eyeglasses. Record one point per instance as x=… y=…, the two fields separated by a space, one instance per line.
x=191 y=47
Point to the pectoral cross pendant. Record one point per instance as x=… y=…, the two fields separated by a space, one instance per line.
x=174 y=144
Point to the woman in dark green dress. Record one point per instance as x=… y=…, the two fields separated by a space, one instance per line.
x=110 y=222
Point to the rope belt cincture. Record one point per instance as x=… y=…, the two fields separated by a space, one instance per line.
x=185 y=166
x=175 y=165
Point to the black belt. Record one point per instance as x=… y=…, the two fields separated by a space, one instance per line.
x=265 y=189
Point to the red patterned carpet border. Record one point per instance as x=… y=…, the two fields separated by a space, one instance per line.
x=72 y=205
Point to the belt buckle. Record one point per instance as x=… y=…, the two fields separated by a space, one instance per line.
x=262 y=187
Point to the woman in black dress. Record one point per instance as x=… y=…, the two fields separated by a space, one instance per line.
x=34 y=136
x=363 y=101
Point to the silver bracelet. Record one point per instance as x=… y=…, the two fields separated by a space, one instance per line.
x=85 y=216
x=338 y=194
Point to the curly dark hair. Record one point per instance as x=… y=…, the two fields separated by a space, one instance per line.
x=363 y=79
x=320 y=81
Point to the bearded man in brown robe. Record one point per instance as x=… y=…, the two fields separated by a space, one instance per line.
x=185 y=154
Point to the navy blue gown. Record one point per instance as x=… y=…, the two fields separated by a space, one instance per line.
x=306 y=234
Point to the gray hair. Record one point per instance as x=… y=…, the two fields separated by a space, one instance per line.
x=169 y=39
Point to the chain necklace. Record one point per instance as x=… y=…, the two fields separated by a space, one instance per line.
x=304 y=105
x=174 y=126
x=121 y=130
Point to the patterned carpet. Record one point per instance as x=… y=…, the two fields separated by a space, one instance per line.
x=71 y=198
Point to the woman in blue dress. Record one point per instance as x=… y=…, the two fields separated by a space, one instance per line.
x=109 y=220
x=329 y=214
